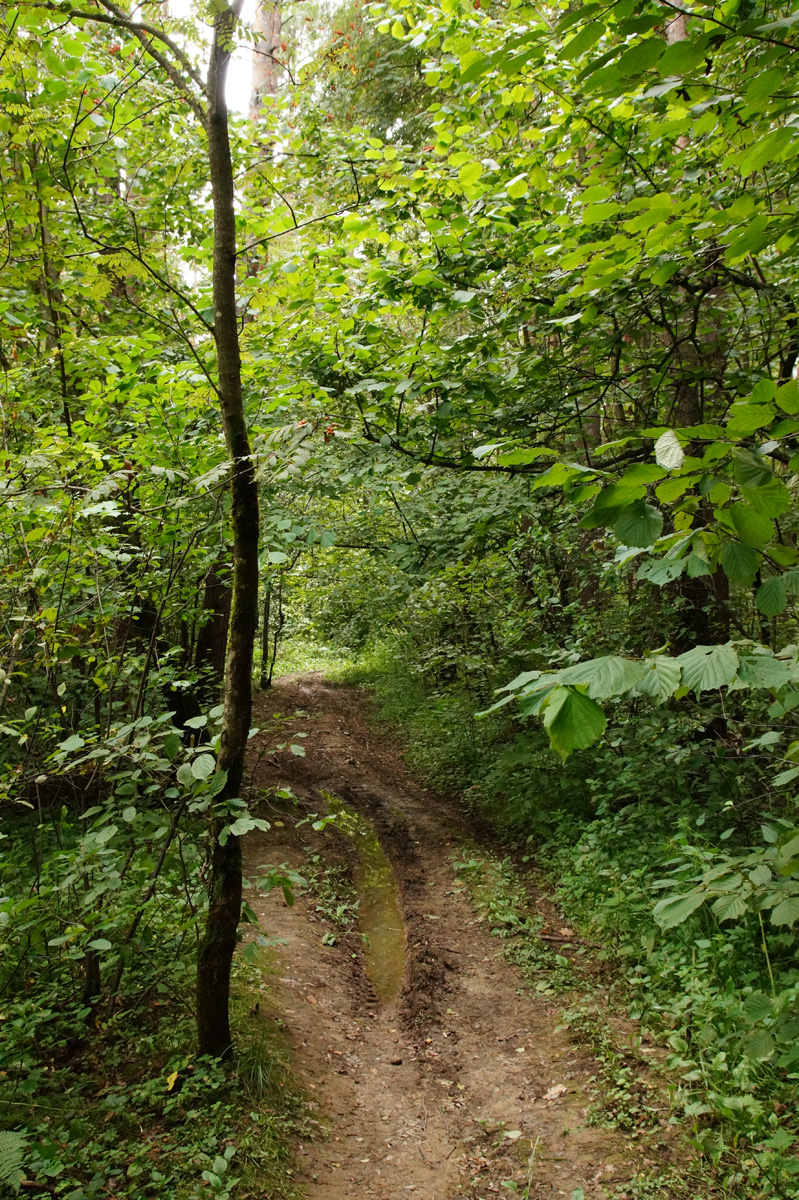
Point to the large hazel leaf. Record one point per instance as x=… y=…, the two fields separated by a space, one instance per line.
x=203 y=766
x=771 y=597
x=786 y=912
x=752 y=527
x=611 y=503
x=573 y=721
x=706 y=668
x=757 y=1007
x=764 y=671
x=750 y=469
x=608 y=676
x=759 y=1044
x=639 y=525
x=676 y=909
x=770 y=498
x=740 y=563
x=661 y=677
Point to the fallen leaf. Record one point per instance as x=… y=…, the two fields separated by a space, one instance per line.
x=513 y=1135
x=558 y=1090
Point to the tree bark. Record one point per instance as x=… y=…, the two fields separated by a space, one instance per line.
x=268 y=22
x=224 y=886
x=210 y=651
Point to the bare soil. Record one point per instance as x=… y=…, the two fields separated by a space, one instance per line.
x=416 y=1098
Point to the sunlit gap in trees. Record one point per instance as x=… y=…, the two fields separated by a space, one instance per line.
x=240 y=71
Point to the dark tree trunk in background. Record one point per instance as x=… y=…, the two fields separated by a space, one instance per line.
x=210 y=651
x=224 y=885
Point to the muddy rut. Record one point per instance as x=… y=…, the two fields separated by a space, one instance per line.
x=462 y=1085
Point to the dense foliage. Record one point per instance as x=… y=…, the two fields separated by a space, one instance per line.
x=515 y=308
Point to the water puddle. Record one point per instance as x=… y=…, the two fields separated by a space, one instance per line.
x=380 y=916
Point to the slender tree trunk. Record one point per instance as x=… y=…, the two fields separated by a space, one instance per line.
x=210 y=651
x=265 y=628
x=268 y=22
x=224 y=886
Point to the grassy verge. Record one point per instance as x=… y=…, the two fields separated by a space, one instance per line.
x=133 y=1111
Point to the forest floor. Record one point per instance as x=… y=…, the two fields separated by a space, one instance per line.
x=464 y=1086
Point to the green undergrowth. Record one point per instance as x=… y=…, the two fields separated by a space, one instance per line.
x=502 y=902
x=126 y=1107
x=662 y=812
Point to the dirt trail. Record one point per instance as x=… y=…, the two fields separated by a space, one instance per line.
x=417 y=1095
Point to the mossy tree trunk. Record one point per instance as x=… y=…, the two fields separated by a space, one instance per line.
x=224 y=888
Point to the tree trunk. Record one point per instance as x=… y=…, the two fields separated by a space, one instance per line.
x=210 y=652
x=224 y=885
x=268 y=22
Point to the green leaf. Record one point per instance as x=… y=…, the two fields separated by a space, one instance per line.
x=759 y=1044
x=608 y=676
x=661 y=677
x=757 y=1006
x=696 y=565
x=706 y=668
x=766 y=150
x=610 y=503
x=740 y=563
x=787 y=397
x=791 y=582
x=583 y=40
x=203 y=766
x=764 y=671
x=573 y=721
x=786 y=912
x=680 y=58
x=661 y=571
x=185 y=775
x=474 y=64
x=470 y=173
x=171 y=745
x=770 y=597
x=675 y=909
x=72 y=743
x=520 y=457
x=749 y=469
x=771 y=499
x=746 y=418
x=730 y=907
x=639 y=525
x=641 y=57
x=752 y=527
x=101 y=944
x=673 y=489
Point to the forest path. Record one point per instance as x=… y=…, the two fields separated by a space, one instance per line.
x=417 y=1095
